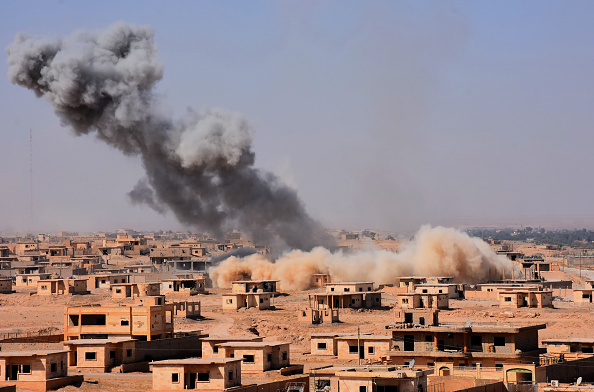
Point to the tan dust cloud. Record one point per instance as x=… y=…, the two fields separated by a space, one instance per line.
x=437 y=251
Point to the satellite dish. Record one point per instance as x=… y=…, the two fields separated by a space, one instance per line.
x=579 y=381
x=468 y=323
x=412 y=364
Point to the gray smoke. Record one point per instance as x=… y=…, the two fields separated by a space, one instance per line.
x=200 y=167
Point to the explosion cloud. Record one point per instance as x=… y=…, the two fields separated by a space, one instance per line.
x=200 y=167
x=435 y=251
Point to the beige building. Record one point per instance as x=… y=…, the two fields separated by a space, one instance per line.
x=187 y=309
x=257 y=356
x=369 y=347
x=320 y=280
x=419 y=301
x=38 y=370
x=569 y=348
x=583 y=296
x=318 y=316
x=133 y=290
x=210 y=344
x=5 y=285
x=143 y=322
x=528 y=299
x=214 y=374
x=452 y=290
x=190 y=286
x=254 y=286
x=105 y=281
x=99 y=355
x=371 y=378
x=30 y=280
x=62 y=287
x=349 y=287
x=234 y=301
x=416 y=316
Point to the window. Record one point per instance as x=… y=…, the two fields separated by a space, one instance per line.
x=230 y=301
x=261 y=300
x=424 y=291
x=248 y=359
x=353 y=349
x=370 y=349
x=92 y=319
x=112 y=354
x=346 y=289
x=476 y=340
x=499 y=340
x=498 y=366
x=430 y=364
x=90 y=356
x=129 y=352
x=362 y=388
x=124 y=322
x=53 y=367
x=428 y=338
x=440 y=291
x=321 y=346
x=284 y=355
x=118 y=291
x=331 y=288
x=409 y=343
x=587 y=350
x=507 y=299
x=269 y=358
x=215 y=350
x=422 y=320
x=44 y=287
x=26 y=369
x=204 y=377
x=230 y=375
x=175 y=378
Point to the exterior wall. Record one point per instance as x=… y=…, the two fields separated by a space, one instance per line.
x=318 y=348
x=106 y=356
x=187 y=309
x=247 y=300
x=416 y=316
x=208 y=346
x=121 y=291
x=583 y=296
x=320 y=280
x=218 y=376
x=317 y=316
x=409 y=301
x=265 y=358
x=378 y=348
x=5 y=286
x=349 y=287
x=41 y=367
x=29 y=280
x=450 y=289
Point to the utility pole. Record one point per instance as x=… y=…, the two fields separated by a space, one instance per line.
x=359 y=343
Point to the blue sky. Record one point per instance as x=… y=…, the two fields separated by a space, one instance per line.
x=382 y=114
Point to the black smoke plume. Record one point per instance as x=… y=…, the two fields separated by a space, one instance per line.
x=200 y=167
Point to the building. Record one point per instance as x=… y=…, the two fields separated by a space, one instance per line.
x=349 y=287
x=254 y=286
x=583 y=296
x=452 y=290
x=210 y=344
x=187 y=309
x=234 y=301
x=105 y=281
x=38 y=370
x=99 y=355
x=5 y=285
x=62 y=286
x=318 y=316
x=569 y=348
x=420 y=301
x=320 y=280
x=355 y=300
x=133 y=290
x=371 y=378
x=215 y=374
x=257 y=356
x=369 y=347
x=143 y=322
x=190 y=286
x=526 y=298
x=30 y=280
x=452 y=345
x=416 y=316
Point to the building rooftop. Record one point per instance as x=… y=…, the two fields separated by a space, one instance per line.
x=31 y=353
x=252 y=344
x=196 y=361
x=343 y=283
x=97 y=341
x=568 y=340
x=254 y=281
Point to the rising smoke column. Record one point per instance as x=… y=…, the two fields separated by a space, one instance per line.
x=437 y=251
x=200 y=167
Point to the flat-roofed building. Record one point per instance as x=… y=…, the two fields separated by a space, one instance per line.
x=62 y=287
x=349 y=287
x=38 y=370
x=186 y=309
x=570 y=348
x=143 y=322
x=486 y=345
x=420 y=301
x=190 y=286
x=336 y=300
x=30 y=280
x=257 y=356
x=210 y=344
x=106 y=280
x=528 y=299
x=353 y=347
x=369 y=378
x=133 y=290
x=416 y=316
x=99 y=355
x=216 y=374
x=583 y=296
x=451 y=289
x=5 y=285
x=318 y=316
x=320 y=280
x=254 y=286
x=234 y=301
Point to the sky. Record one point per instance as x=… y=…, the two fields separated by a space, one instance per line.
x=381 y=114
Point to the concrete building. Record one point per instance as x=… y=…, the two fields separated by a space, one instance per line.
x=38 y=370
x=569 y=348
x=234 y=301
x=133 y=290
x=5 y=285
x=210 y=344
x=99 y=355
x=583 y=296
x=143 y=322
x=190 y=286
x=487 y=346
x=216 y=374
x=416 y=316
x=30 y=280
x=187 y=309
x=62 y=287
x=257 y=356
x=318 y=316
x=349 y=287
x=254 y=286
x=371 y=378
x=353 y=300
x=420 y=301
x=369 y=347
x=525 y=298
x=320 y=280
x=106 y=280
x=452 y=290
